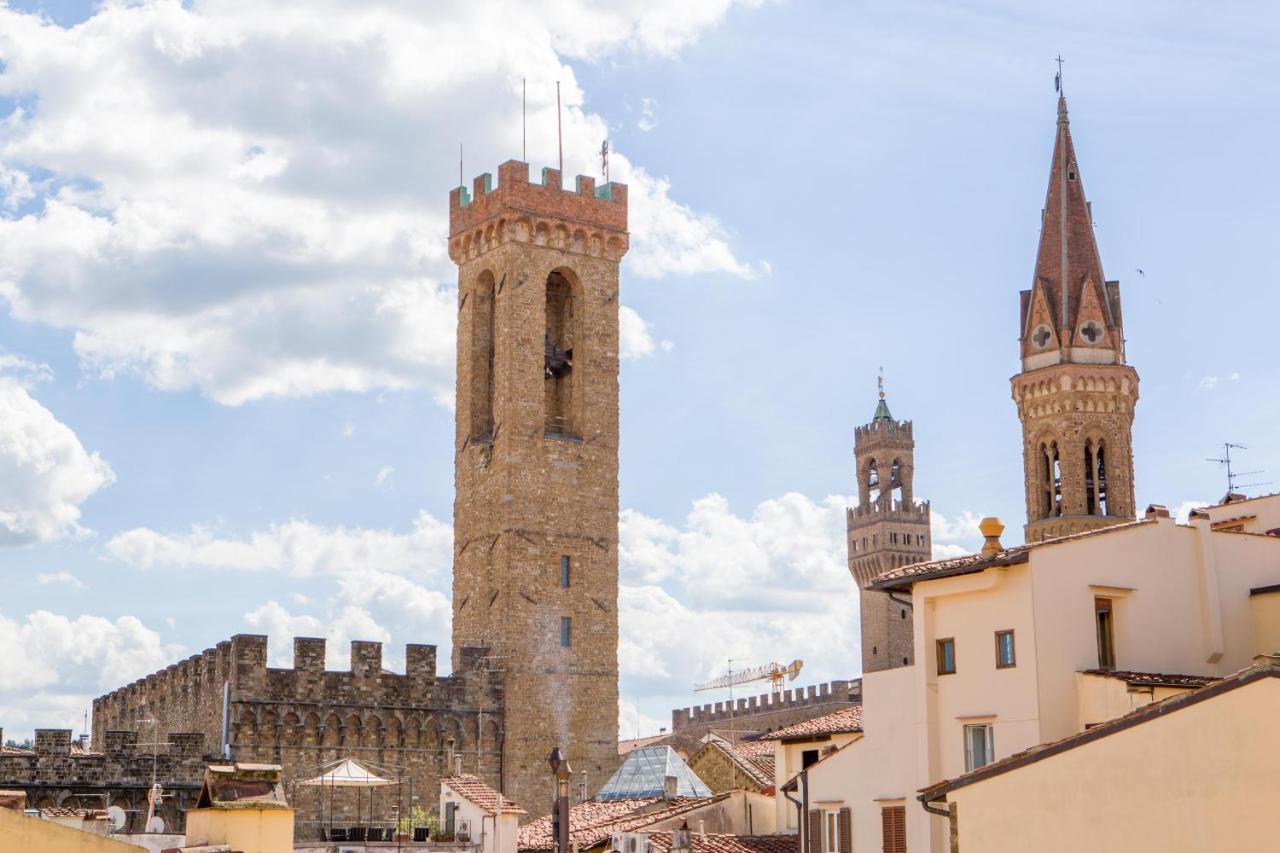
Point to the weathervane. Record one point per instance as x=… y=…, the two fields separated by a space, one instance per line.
x=604 y=159
x=880 y=382
x=1057 y=78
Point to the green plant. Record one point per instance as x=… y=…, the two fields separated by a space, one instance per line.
x=416 y=819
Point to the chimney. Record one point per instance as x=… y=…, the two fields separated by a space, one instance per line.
x=670 y=785
x=1156 y=511
x=991 y=528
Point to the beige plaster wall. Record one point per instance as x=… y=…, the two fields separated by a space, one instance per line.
x=245 y=830
x=1201 y=778
x=499 y=839
x=788 y=761
x=22 y=834
x=1264 y=612
x=1101 y=698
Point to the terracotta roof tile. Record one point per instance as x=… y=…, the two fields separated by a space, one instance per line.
x=596 y=820
x=713 y=843
x=1154 y=679
x=845 y=720
x=970 y=563
x=474 y=789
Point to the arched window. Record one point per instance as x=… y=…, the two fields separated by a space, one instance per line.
x=1050 y=480
x=1095 y=477
x=895 y=481
x=873 y=482
x=482 y=350
x=559 y=363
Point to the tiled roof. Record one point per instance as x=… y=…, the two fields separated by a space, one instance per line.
x=904 y=576
x=845 y=720
x=1135 y=717
x=597 y=820
x=713 y=843
x=758 y=754
x=16 y=750
x=474 y=789
x=1154 y=679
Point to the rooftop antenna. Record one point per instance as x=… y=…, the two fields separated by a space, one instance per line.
x=1057 y=78
x=1225 y=460
x=559 y=131
x=604 y=159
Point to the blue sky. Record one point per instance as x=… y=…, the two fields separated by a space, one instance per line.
x=226 y=314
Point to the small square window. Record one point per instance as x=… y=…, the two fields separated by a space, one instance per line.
x=565 y=564
x=979 y=746
x=566 y=631
x=1006 y=654
x=947 y=656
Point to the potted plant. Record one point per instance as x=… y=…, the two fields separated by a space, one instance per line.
x=416 y=826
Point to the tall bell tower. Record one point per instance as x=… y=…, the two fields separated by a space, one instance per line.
x=1075 y=393
x=887 y=529
x=535 y=571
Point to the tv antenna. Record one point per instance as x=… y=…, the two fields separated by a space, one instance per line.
x=1233 y=475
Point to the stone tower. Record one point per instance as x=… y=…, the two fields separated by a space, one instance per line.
x=1075 y=394
x=887 y=529
x=535 y=571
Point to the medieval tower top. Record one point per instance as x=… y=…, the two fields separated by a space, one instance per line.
x=1075 y=393
x=887 y=529
x=535 y=572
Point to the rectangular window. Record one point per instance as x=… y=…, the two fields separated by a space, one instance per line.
x=946 y=656
x=564 y=571
x=565 y=631
x=1103 y=616
x=979 y=749
x=808 y=757
x=893 y=824
x=831 y=833
x=1006 y=656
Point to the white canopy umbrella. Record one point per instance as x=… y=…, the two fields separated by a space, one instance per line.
x=348 y=773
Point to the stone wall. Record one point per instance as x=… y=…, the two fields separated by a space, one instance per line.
x=57 y=773
x=767 y=712
x=414 y=726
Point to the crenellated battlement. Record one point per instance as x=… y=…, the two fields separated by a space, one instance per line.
x=759 y=709
x=588 y=220
x=916 y=512
x=884 y=432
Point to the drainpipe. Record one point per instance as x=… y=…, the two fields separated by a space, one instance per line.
x=934 y=809
x=802 y=808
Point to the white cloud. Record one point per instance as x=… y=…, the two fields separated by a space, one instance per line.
x=1182 y=514
x=45 y=472
x=955 y=536
x=634 y=340
x=348 y=430
x=1209 y=383
x=632 y=722
x=64 y=578
x=208 y=222
x=648 y=115
x=296 y=547
x=384 y=475
x=54 y=665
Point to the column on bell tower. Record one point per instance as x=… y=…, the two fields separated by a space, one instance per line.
x=886 y=530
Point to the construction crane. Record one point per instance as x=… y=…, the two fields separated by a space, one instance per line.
x=775 y=673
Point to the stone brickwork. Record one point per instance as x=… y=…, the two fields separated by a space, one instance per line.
x=1075 y=394
x=415 y=726
x=766 y=712
x=536 y=462
x=57 y=773
x=886 y=530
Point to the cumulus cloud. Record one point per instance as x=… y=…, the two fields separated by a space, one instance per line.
x=634 y=340
x=202 y=220
x=648 y=115
x=45 y=472
x=54 y=665
x=1209 y=383
x=955 y=536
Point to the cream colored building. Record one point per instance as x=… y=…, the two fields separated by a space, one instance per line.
x=1193 y=772
x=1028 y=645
x=491 y=821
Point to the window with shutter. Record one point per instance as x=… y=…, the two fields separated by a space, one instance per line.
x=846 y=831
x=814 y=841
x=893 y=824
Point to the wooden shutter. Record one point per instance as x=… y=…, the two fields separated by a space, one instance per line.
x=846 y=831
x=893 y=823
x=815 y=831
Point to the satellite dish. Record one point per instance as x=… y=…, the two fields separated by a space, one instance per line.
x=117 y=817
x=156 y=824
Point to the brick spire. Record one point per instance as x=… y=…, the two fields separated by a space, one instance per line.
x=1070 y=305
